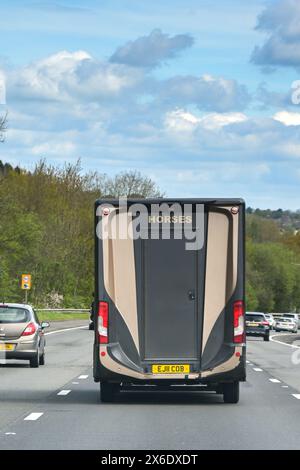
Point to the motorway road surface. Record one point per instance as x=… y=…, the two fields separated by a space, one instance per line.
x=57 y=406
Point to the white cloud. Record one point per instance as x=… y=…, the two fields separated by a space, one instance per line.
x=70 y=76
x=217 y=120
x=208 y=93
x=181 y=121
x=50 y=148
x=79 y=80
x=287 y=118
x=70 y=105
x=184 y=121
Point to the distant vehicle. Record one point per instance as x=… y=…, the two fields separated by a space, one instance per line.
x=293 y=316
x=92 y=313
x=257 y=325
x=286 y=324
x=92 y=323
x=21 y=334
x=166 y=314
x=270 y=320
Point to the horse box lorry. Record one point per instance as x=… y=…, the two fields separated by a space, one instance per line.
x=169 y=295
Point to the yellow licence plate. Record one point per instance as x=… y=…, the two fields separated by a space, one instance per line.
x=252 y=324
x=170 y=369
x=7 y=347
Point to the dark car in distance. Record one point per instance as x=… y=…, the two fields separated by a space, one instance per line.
x=257 y=325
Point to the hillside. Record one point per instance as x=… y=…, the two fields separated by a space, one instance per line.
x=286 y=220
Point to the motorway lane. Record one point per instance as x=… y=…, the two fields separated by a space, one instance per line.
x=280 y=360
x=21 y=388
x=267 y=416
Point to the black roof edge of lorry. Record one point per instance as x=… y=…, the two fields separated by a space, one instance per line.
x=216 y=201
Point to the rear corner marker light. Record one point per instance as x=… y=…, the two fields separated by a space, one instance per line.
x=103 y=322
x=238 y=321
x=29 y=330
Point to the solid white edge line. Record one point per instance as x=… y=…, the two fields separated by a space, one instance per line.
x=66 y=329
x=33 y=416
x=282 y=342
x=296 y=395
x=64 y=392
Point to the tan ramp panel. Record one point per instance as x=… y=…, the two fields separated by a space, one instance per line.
x=216 y=271
x=119 y=271
x=220 y=283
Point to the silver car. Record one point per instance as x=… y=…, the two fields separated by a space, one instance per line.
x=293 y=316
x=286 y=324
x=21 y=334
x=270 y=319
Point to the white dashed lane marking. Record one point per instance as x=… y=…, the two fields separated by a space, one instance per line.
x=75 y=383
x=257 y=369
x=33 y=416
x=296 y=395
x=82 y=377
x=64 y=392
x=275 y=381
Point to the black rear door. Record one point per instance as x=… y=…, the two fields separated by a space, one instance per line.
x=171 y=301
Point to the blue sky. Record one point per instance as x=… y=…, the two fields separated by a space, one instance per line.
x=194 y=93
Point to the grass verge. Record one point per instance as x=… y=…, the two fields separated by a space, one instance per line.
x=61 y=316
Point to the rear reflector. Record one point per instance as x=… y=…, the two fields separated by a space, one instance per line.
x=238 y=321
x=103 y=322
x=29 y=330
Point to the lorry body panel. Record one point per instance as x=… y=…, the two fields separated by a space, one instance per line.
x=168 y=305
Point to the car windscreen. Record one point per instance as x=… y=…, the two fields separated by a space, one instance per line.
x=287 y=315
x=14 y=315
x=255 y=318
x=285 y=319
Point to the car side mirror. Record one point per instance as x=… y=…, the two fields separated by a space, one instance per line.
x=45 y=324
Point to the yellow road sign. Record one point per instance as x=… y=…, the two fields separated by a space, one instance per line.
x=26 y=282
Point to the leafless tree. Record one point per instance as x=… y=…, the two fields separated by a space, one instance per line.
x=131 y=184
x=3 y=126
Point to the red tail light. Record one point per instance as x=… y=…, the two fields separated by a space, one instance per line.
x=29 y=330
x=265 y=323
x=103 y=322
x=238 y=321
